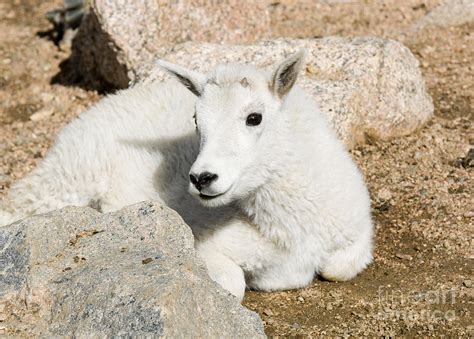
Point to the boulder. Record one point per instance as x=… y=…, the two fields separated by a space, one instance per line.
x=78 y=273
x=371 y=88
x=450 y=13
x=118 y=35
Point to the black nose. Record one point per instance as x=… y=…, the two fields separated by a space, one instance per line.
x=203 y=180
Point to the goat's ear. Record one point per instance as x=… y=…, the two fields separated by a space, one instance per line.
x=284 y=77
x=193 y=81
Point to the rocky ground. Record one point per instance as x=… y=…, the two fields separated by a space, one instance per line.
x=421 y=185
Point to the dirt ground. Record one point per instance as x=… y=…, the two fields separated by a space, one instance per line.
x=421 y=282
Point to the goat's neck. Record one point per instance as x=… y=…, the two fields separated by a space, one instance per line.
x=282 y=208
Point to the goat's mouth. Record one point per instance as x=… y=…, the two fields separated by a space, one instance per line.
x=207 y=197
x=210 y=197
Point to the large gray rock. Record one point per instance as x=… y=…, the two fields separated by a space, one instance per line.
x=76 y=272
x=371 y=88
x=118 y=35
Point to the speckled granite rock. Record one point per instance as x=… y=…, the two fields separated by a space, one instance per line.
x=118 y=35
x=370 y=88
x=76 y=272
x=449 y=13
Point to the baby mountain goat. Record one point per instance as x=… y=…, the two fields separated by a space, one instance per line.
x=242 y=154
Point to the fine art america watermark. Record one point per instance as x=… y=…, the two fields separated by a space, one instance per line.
x=396 y=305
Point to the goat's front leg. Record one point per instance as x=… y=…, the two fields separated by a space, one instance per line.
x=222 y=269
x=234 y=248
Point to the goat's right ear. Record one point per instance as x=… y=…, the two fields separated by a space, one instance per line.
x=193 y=81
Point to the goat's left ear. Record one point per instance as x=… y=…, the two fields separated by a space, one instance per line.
x=284 y=77
x=193 y=81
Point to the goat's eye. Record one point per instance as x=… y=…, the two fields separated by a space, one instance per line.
x=254 y=119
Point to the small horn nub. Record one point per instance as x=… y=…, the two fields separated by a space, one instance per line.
x=244 y=82
x=212 y=81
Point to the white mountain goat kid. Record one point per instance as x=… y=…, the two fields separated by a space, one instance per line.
x=272 y=196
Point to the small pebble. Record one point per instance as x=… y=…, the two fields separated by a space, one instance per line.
x=41 y=114
x=469 y=214
x=384 y=194
x=11 y=15
x=269 y=321
x=404 y=256
x=296 y=326
x=268 y=312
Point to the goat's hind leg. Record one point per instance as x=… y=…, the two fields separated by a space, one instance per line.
x=47 y=188
x=345 y=263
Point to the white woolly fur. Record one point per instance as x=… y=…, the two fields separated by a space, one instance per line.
x=287 y=203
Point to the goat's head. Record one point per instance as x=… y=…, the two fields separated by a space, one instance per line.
x=238 y=121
